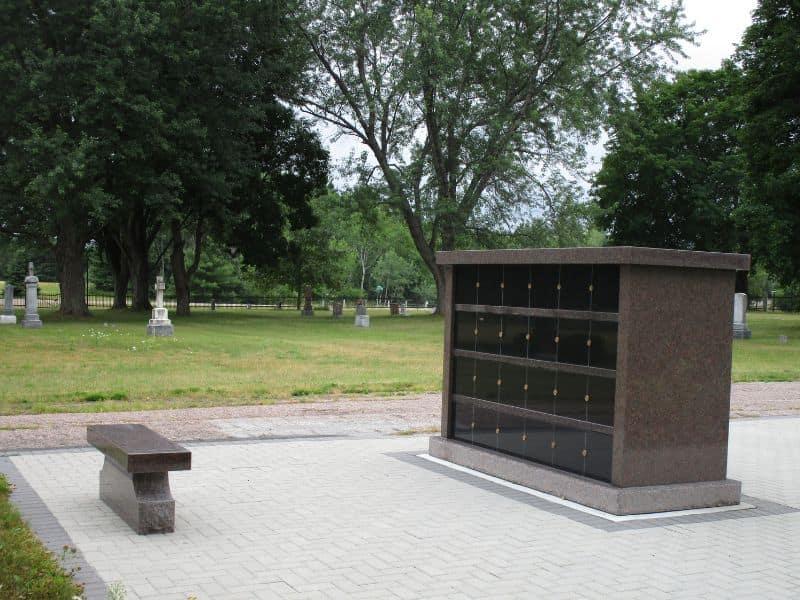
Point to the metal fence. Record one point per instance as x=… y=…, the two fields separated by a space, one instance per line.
x=775 y=304
x=53 y=300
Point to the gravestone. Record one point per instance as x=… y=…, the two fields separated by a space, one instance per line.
x=336 y=309
x=308 y=310
x=403 y=310
x=31 y=319
x=160 y=325
x=362 y=318
x=740 y=329
x=394 y=309
x=8 y=317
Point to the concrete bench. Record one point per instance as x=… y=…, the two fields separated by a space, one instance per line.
x=134 y=480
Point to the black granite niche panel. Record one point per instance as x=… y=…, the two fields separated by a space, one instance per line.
x=538 y=438
x=541 y=383
x=464 y=335
x=511 y=429
x=517 y=286
x=484 y=432
x=464 y=376
x=490 y=278
x=487 y=380
x=570 y=400
x=465 y=291
x=557 y=339
x=544 y=279
x=600 y=402
x=605 y=288
x=598 y=458
x=516 y=334
x=576 y=287
x=542 y=345
x=462 y=421
x=489 y=328
x=512 y=389
x=603 y=352
x=573 y=341
x=569 y=446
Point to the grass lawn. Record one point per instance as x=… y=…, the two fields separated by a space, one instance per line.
x=28 y=569
x=225 y=357
x=260 y=356
x=763 y=358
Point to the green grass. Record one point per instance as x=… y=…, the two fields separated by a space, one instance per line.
x=27 y=569
x=106 y=362
x=763 y=358
x=226 y=357
x=46 y=287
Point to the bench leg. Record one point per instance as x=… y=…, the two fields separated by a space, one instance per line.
x=143 y=500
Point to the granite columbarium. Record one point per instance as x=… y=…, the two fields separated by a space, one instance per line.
x=598 y=375
x=31 y=319
x=8 y=317
x=159 y=324
x=740 y=329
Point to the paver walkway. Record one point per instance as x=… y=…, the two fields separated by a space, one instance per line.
x=368 y=415
x=367 y=518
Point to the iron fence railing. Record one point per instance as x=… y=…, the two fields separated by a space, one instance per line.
x=53 y=300
x=775 y=304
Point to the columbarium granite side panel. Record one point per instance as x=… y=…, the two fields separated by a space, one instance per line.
x=673 y=375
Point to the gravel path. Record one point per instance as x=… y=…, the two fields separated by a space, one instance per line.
x=364 y=416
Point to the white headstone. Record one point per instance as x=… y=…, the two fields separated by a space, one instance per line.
x=740 y=330
x=31 y=319
x=8 y=317
x=159 y=324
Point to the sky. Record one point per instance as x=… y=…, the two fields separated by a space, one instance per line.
x=723 y=22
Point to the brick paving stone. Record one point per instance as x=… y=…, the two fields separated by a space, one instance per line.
x=367 y=518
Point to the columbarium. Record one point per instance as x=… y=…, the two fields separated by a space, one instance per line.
x=598 y=375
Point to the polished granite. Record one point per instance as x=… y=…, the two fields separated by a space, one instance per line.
x=134 y=480
x=615 y=372
x=138 y=449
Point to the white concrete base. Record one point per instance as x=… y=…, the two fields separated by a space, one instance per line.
x=8 y=319
x=160 y=328
x=31 y=322
x=362 y=320
x=582 y=507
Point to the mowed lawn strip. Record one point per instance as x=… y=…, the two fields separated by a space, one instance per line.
x=260 y=356
x=764 y=357
x=106 y=362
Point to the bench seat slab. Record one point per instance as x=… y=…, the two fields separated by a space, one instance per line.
x=142 y=500
x=138 y=449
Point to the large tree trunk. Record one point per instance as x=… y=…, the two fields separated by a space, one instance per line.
x=69 y=252
x=137 y=247
x=119 y=271
x=181 y=275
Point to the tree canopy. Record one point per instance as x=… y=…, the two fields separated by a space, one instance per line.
x=672 y=173
x=123 y=120
x=770 y=57
x=467 y=108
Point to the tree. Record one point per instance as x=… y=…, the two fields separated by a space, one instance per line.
x=462 y=105
x=126 y=122
x=673 y=169
x=770 y=57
